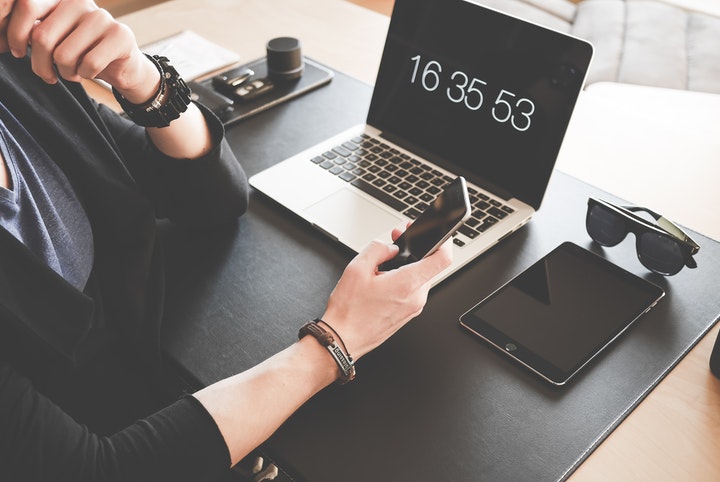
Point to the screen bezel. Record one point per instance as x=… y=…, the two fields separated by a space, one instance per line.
x=527 y=356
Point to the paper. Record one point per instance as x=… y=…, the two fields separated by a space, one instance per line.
x=192 y=55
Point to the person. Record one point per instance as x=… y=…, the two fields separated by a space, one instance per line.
x=81 y=271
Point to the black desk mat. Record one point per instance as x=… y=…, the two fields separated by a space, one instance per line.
x=433 y=403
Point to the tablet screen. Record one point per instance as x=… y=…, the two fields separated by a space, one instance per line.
x=562 y=311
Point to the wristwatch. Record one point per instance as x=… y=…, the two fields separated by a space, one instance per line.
x=169 y=101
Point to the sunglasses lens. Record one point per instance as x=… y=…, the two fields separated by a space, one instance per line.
x=604 y=226
x=660 y=253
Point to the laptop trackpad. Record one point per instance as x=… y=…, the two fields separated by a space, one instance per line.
x=354 y=220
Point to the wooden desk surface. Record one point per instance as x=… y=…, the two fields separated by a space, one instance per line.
x=674 y=434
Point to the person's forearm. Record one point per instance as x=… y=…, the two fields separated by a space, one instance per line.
x=250 y=406
x=187 y=137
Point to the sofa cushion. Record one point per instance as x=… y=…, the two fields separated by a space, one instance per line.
x=644 y=42
x=650 y=43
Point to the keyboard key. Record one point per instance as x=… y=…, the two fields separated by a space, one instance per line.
x=495 y=203
x=379 y=182
x=412 y=213
x=498 y=213
x=336 y=170
x=422 y=184
x=394 y=203
x=327 y=164
x=469 y=232
x=369 y=177
x=330 y=155
x=508 y=209
x=482 y=205
x=400 y=194
x=347 y=176
x=458 y=242
x=434 y=190
x=349 y=146
x=416 y=191
x=389 y=188
x=472 y=222
x=405 y=186
x=340 y=150
x=318 y=159
x=428 y=198
x=411 y=200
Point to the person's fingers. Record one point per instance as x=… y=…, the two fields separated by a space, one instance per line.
x=427 y=268
x=25 y=14
x=88 y=49
x=375 y=254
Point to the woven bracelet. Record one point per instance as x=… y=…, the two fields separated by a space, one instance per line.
x=326 y=339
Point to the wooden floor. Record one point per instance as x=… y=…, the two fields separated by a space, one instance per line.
x=121 y=7
x=381 y=6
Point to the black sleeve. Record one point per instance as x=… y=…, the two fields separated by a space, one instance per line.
x=39 y=442
x=209 y=190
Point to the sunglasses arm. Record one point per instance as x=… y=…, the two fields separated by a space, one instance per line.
x=668 y=226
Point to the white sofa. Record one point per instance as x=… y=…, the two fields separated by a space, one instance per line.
x=647 y=42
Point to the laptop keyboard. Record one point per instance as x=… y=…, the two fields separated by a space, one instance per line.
x=404 y=183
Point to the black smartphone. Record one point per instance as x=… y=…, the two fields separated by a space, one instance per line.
x=439 y=221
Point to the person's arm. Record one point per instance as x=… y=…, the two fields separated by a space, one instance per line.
x=76 y=40
x=38 y=441
x=365 y=309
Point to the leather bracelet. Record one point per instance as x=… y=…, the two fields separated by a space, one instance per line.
x=334 y=332
x=327 y=340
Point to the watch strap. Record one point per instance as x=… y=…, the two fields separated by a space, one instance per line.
x=169 y=101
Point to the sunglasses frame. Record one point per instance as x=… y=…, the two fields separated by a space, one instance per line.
x=638 y=225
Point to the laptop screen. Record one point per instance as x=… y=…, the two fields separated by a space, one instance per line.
x=481 y=93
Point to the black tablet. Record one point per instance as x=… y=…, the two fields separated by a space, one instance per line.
x=561 y=312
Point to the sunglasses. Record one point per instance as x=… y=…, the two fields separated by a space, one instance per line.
x=662 y=247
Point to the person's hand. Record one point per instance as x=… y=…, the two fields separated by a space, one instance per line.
x=76 y=39
x=367 y=307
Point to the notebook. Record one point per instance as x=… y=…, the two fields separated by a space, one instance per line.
x=462 y=89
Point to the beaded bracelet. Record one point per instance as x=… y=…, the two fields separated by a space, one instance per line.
x=326 y=339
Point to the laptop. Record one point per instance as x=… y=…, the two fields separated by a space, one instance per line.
x=462 y=90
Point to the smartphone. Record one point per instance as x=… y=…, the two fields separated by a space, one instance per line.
x=439 y=221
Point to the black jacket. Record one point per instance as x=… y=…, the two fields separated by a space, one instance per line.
x=124 y=184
